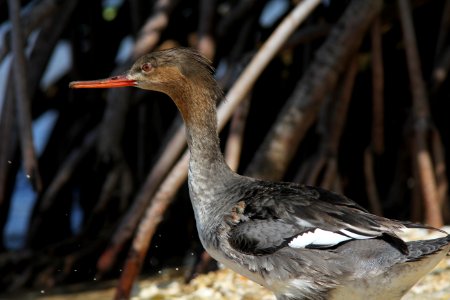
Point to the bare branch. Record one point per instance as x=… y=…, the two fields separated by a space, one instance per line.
x=421 y=114
x=236 y=135
x=33 y=15
x=147 y=227
x=8 y=133
x=23 y=102
x=371 y=184
x=206 y=43
x=377 y=89
x=142 y=200
x=301 y=109
x=155 y=24
x=248 y=77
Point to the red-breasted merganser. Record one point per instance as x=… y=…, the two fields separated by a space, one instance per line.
x=301 y=242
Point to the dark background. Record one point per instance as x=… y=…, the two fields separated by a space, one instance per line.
x=99 y=146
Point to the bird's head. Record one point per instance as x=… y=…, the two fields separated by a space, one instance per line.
x=173 y=72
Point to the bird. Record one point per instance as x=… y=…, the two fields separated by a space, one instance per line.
x=299 y=241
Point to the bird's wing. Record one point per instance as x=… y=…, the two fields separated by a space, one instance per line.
x=271 y=216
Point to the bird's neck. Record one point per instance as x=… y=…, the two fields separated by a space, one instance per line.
x=197 y=105
x=209 y=175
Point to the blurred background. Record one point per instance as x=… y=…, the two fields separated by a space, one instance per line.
x=356 y=100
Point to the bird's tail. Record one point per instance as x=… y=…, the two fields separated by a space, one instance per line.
x=418 y=250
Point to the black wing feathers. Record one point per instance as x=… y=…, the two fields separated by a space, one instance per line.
x=275 y=213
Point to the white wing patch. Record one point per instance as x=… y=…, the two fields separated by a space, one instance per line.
x=319 y=237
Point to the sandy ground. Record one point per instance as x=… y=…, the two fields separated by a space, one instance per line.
x=227 y=285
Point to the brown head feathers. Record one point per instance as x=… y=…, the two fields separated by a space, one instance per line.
x=191 y=64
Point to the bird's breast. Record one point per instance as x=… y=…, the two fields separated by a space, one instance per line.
x=224 y=259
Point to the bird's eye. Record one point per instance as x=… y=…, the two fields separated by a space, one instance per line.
x=147 y=67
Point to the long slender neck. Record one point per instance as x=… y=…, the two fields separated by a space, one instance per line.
x=209 y=175
x=197 y=105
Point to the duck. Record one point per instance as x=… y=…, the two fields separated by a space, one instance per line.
x=298 y=241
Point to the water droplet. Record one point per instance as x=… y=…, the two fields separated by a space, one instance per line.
x=156 y=246
x=95 y=279
x=120 y=270
x=9 y=162
x=42 y=292
x=160 y=272
x=192 y=253
x=28 y=176
x=176 y=269
x=75 y=270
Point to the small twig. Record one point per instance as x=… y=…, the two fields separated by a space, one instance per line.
x=39 y=57
x=118 y=100
x=32 y=16
x=109 y=187
x=317 y=166
x=206 y=43
x=23 y=103
x=377 y=143
x=377 y=89
x=20 y=281
x=67 y=170
x=420 y=104
x=237 y=59
x=64 y=174
x=135 y=15
x=113 y=125
x=340 y=110
x=441 y=175
x=202 y=266
x=271 y=47
x=147 y=227
x=337 y=187
x=331 y=175
x=442 y=53
x=49 y=35
x=401 y=177
x=371 y=185
x=128 y=224
x=235 y=138
x=440 y=71
x=333 y=126
x=307 y=34
x=7 y=132
x=126 y=188
x=417 y=205
x=421 y=114
x=241 y=9
x=150 y=33
x=444 y=30
x=304 y=171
